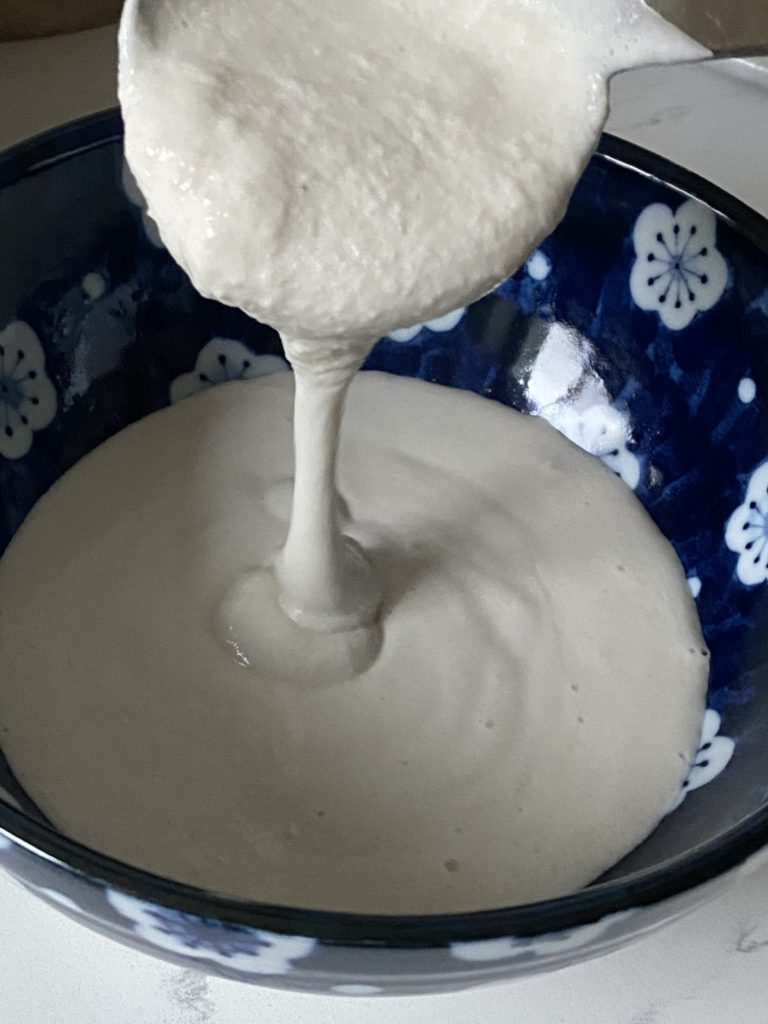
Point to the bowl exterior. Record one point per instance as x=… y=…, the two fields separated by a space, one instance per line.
x=302 y=963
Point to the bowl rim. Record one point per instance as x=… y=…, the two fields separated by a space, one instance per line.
x=643 y=889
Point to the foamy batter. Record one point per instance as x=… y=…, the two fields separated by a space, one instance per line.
x=343 y=168
x=506 y=744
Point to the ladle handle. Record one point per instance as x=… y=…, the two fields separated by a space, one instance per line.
x=730 y=28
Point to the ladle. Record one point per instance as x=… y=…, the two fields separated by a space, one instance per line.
x=729 y=28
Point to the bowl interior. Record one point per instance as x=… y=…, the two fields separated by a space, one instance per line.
x=637 y=329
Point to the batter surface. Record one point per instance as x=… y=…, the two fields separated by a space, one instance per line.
x=504 y=744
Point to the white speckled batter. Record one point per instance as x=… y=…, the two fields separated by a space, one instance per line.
x=343 y=168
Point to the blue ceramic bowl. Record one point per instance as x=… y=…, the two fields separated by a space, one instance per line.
x=639 y=329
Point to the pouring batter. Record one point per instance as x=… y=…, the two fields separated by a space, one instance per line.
x=430 y=696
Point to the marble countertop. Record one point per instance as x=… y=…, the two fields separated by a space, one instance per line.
x=710 y=968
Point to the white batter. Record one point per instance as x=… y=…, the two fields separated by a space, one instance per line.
x=532 y=711
x=346 y=167
x=442 y=693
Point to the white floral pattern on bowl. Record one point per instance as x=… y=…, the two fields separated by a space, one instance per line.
x=441 y=325
x=553 y=945
x=539 y=266
x=27 y=398
x=679 y=271
x=747 y=390
x=222 y=360
x=746 y=532
x=564 y=391
x=53 y=896
x=712 y=757
x=94 y=285
x=242 y=949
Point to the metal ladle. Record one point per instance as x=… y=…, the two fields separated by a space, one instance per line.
x=730 y=28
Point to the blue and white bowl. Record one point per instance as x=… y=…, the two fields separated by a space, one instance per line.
x=639 y=329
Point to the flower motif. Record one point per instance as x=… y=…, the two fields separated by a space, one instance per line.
x=746 y=532
x=563 y=390
x=484 y=950
x=53 y=896
x=599 y=428
x=539 y=266
x=222 y=360
x=136 y=196
x=236 y=947
x=94 y=286
x=679 y=271
x=441 y=325
x=712 y=757
x=27 y=397
x=747 y=390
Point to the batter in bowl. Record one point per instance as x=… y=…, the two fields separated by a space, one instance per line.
x=505 y=744
x=425 y=692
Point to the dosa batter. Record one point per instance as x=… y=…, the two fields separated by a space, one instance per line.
x=426 y=697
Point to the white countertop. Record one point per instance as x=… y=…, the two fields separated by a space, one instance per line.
x=710 y=968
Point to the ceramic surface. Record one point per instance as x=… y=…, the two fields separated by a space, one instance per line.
x=637 y=330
